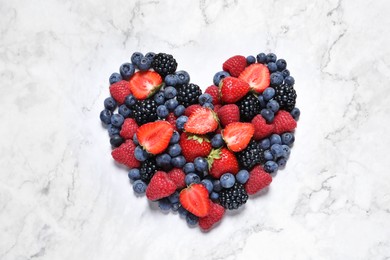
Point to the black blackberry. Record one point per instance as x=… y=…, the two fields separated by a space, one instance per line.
x=249 y=107
x=188 y=94
x=233 y=197
x=253 y=154
x=286 y=96
x=164 y=64
x=145 y=111
x=147 y=170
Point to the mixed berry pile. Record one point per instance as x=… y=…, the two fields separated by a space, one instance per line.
x=196 y=153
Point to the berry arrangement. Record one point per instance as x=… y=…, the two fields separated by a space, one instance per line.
x=200 y=154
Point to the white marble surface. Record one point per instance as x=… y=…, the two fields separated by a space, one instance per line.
x=61 y=195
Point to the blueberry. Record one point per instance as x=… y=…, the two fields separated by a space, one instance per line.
x=130 y=101
x=208 y=105
x=150 y=56
x=201 y=164
x=250 y=60
x=171 y=79
x=275 y=139
x=268 y=93
x=134 y=174
x=144 y=64
x=208 y=184
x=192 y=178
x=110 y=103
x=205 y=98
x=171 y=104
x=273 y=105
x=191 y=219
x=174 y=198
x=136 y=57
x=217 y=141
x=261 y=58
x=227 y=180
x=175 y=206
x=162 y=111
x=125 y=111
x=289 y=80
x=271 y=57
x=139 y=186
x=164 y=204
x=265 y=143
x=272 y=67
x=164 y=161
x=268 y=155
x=127 y=70
x=285 y=73
x=288 y=139
x=281 y=64
x=219 y=76
x=295 y=113
x=281 y=162
x=112 y=130
x=270 y=166
x=179 y=110
x=217 y=185
x=262 y=102
x=117 y=120
x=105 y=116
x=182 y=211
x=170 y=92
x=214 y=195
x=268 y=115
x=175 y=138
x=174 y=150
x=159 y=98
x=182 y=77
x=180 y=121
x=178 y=161
x=276 y=79
x=140 y=154
x=242 y=176
x=277 y=150
x=189 y=168
x=116 y=140
x=135 y=139
x=286 y=151
x=114 y=78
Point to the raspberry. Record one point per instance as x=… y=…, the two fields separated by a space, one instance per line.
x=258 y=180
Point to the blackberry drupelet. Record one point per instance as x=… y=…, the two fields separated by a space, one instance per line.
x=286 y=96
x=253 y=154
x=233 y=197
x=188 y=94
x=164 y=64
x=145 y=111
x=249 y=107
x=147 y=170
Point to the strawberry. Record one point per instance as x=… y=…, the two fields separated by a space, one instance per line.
x=215 y=215
x=237 y=135
x=262 y=129
x=160 y=186
x=222 y=161
x=202 y=121
x=196 y=200
x=171 y=118
x=190 y=109
x=232 y=89
x=228 y=114
x=178 y=177
x=284 y=122
x=258 y=179
x=213 y=91
x=257 y=76
x=124 y=154
x=235 y=65
x=120 y=90
x=193 y=146
x=154 y=136
x=129 y=128
x=143 y=84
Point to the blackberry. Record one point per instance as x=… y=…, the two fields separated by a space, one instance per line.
x=286 y=96
x=145 y=111
x=188 y=94
x=164 y=64
x=233 y=197
x=147 y=170
x=253 y=154
x=249 y=107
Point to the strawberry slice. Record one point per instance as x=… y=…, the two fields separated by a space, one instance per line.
x=233 y=89
x=154 y=136
x=196 y=200
x=257 y=76
x=144 y=83
x=202 y=121
x=237 y=135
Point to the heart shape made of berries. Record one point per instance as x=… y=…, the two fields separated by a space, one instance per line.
x=201 y=154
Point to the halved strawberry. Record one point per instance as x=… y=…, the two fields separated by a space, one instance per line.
x=257 y=76
x=237 y=135
x=191 y=109
x=235 y=65
x=196 y=200
x=120 y=90
x=154 y=136
x=144 y=83
x=202 y=121
x=232 y=89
